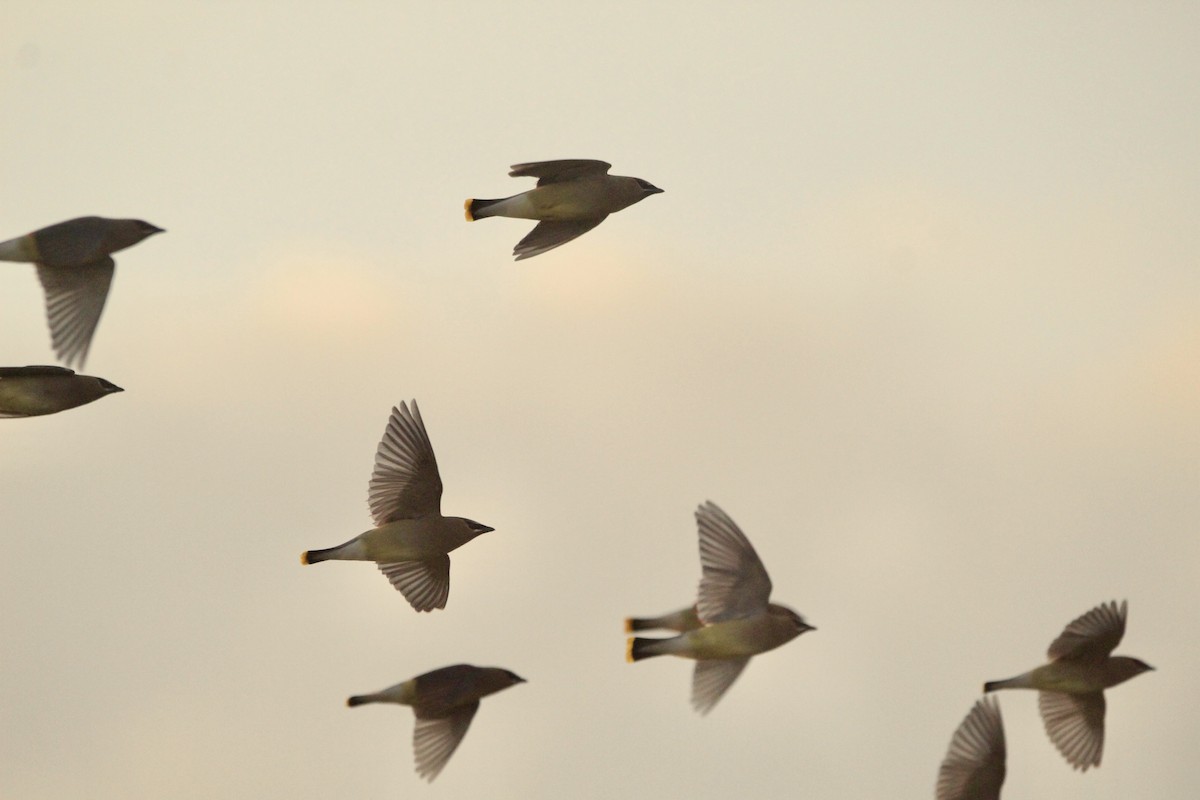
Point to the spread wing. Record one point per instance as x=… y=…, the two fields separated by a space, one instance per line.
x=567 y=169
x=549 y=234
x=734 y=583
x=424 y=584
x=712 y=678
x=974 y=765
x=74 y=301
x=1092 y=636
x=405 y=483
x=1075 y=723
x=434 y=740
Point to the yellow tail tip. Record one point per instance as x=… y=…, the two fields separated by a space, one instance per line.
x=304 y=557
x=629 y=624
x=629 y=650
x=467 y=209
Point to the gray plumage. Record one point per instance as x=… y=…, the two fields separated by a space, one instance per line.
x=737 y=619
x=444 y=702
x=37 y=390
x=572 y=196
x=1071 y=687
x=974 y=766
x=411 y=540
x=75 y=269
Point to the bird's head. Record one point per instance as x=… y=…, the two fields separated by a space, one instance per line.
x=647 y=187
x=108 y=387
x=794 y=622
x=1122 y=668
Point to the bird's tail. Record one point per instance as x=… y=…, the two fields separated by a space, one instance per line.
x=478 y=209
x=317 y=556
x=353 y=550
x=638 y=648
x=680 y=621
x=18 y=249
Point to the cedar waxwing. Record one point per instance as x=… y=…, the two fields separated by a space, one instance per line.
x=75 y=269
x=1071 y=687
x=572 y=196
x=32 y=391
x=681 y=621
x=974 y=765
x=444 y=702
x=412 y=539
x=738 y=621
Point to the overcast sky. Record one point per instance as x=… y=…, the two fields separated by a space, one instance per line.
x=919 y=308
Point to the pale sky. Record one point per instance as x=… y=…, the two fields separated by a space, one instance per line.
x=919 y=308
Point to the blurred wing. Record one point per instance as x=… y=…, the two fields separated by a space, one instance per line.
x=567 y=169
x=712 y=678
x=424 y=584
x=734 y=582
x=974 y=765
x=1093 y=636
x=405 y=483
x=1075 y=723
x=434 y=740
x=74 y=300
x=549 y=234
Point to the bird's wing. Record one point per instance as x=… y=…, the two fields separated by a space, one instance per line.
x=733 y=583
x=974 y=765
x=1075 y=723
x=424 y=584
x=74 y=300
x=1092 y=636
x=405 y=483
x=549 y=234
x=32 y=371
x=567 y=169
x=434 y=740
x=712 y=678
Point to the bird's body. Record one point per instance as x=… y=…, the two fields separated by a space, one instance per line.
x=444 y=701
x=733 y=638
x=34 y=391
x=1074 y=677
x=974 y=766
x=734 y=620
x=412 y=539
x=75 y=268
x=402 y=540
x=1071 y=686
x=572 y=197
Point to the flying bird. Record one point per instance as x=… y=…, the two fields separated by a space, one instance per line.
x=737 y=619
x=411 y=539
x=33 y=391
x=444 y=702
x=1071 y=687
x=572 y=196
x=75 y=267
x=974 y=765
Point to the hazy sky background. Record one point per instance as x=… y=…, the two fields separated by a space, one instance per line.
x=920 y=308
